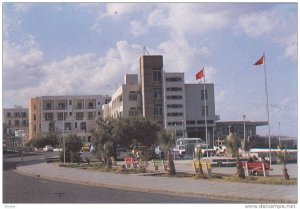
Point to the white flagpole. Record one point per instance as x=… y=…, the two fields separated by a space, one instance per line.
x=205 y=116
x=267 y=106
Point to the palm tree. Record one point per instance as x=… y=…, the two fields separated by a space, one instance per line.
x=283 y=156
x=233 y=144
x=198 y=152
x=168 y=139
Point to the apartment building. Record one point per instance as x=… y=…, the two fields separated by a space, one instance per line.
x=15 y=123
x=126 y=101
x=72 y=114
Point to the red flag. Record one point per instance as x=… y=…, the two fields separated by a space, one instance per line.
x=260 y=61
x=200 y=74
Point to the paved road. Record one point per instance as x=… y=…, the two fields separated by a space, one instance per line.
x=23 y=189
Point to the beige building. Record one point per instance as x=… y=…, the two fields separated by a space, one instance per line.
x=72 y=114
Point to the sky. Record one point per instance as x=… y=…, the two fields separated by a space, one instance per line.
x=87 y=48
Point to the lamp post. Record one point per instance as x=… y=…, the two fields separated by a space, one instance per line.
x=244 y=116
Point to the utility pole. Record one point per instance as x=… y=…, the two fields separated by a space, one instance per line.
x=244 y=116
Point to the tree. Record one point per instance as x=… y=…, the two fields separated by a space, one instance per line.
x=103 y=140
x=233 y=144
x=73 y=145
x=168 y=139
x=52 y=137
x=283 y=156
x=135 y=130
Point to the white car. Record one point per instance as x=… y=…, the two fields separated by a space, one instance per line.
x=48 y=148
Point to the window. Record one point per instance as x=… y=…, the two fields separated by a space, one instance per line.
x=157 y=75
x=17 y=123
x=157 y=110
x=90 y=115
x=202 y=94
x=48 y=116
x=157 y=94
x=79 y=116
x=61 y=106
x=17 y=114
x=68 y=126
x=190 y=122
x=60 y=116
x=203 y=110
x=70 y=113
x=8 y=114
x=83 y=126
x=132 y=96
x=23 y=114
x=75 y=124
x=70 y=102
x=90 y=105
x=34 y=116
x=79 y=105
x=34 y=107
x=9 y=122
x=34 y=128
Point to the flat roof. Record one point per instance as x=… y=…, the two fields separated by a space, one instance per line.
x=241 y=123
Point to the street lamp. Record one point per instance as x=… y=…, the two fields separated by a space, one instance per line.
x=244 y=116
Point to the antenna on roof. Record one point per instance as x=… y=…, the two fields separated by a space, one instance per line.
x=145 y=51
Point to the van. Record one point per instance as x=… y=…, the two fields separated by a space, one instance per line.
x=186 y=146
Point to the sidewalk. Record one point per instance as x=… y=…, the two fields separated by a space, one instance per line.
x=246 y=193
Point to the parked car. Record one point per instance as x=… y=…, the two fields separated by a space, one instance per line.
x=48 y=148
x=122 y=152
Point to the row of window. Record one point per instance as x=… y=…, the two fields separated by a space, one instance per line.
x=63 y=116
x=174 y=89
x=175 y=106
x=174 y=97
x=18 y=122
x=174 y=79
x=191 y=122
x=175 y=114
x=48 y=105
x=16 y=114
x=175 y=123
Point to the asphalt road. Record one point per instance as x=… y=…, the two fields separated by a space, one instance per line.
x=23 y=189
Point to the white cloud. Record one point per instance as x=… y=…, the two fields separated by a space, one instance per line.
x=80 y=74
x=137 y=28
x=20 y=64
x=257 y=24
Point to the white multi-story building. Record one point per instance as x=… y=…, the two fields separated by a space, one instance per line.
x=15 y=124
x=126 y=101
x=72 y=114
x=174 y=103
x=165 y=98
x=195 y=110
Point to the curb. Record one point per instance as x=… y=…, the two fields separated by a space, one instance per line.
x=242 y=200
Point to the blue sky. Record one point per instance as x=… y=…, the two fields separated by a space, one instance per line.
x=52 y=48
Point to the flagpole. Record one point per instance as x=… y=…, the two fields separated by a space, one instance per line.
x=205 y=117
x=267 y=106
